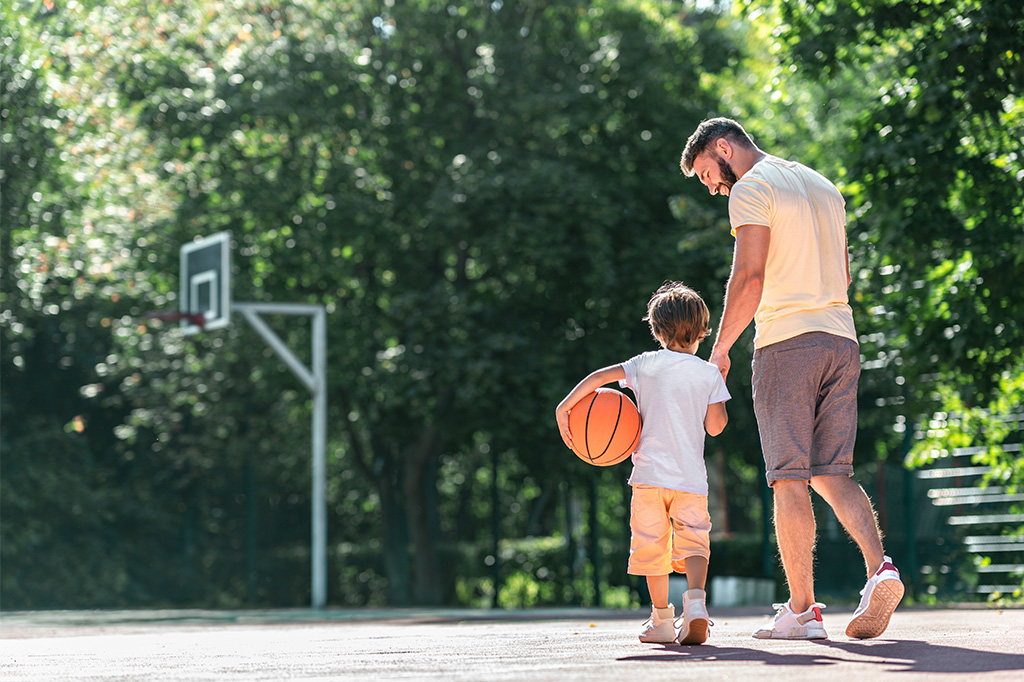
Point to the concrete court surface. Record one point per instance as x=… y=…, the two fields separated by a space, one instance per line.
x=969 y=642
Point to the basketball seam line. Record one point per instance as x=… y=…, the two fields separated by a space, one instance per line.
x=618 y=417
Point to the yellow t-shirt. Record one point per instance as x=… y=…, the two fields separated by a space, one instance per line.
x=805 y=274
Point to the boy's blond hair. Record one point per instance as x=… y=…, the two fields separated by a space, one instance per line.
x=677 y=314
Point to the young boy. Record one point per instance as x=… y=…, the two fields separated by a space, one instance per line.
x=680 y=396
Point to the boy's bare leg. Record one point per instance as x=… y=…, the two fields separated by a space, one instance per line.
x=795 y=531
x=853 y=510
x=695 y=611
x=696 y=572
x=657 y=585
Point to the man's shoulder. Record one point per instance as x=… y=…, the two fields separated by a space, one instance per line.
x=772 y=175
x=774 y=167
x=769 y=166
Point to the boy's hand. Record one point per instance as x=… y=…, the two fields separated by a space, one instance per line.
x=562 y=417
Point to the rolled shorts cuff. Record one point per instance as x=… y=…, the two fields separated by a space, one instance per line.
x=805 y=475
x=679 y=565
x=648 y=572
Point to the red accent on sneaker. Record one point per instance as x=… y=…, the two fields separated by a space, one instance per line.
x=817 y=614
x=886 y=567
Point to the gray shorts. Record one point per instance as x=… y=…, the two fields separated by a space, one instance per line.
x=805 y=399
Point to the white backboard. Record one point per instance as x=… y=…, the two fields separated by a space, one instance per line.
x=206 y=282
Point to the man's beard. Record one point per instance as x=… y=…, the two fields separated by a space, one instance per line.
x=728 y=176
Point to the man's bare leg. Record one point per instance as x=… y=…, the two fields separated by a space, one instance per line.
x=883 y=590
x=795 y=531
x=853 y=510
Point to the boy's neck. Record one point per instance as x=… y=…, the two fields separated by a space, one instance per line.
x=676 y=348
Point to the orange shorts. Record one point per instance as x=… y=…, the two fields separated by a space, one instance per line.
x=667 y=527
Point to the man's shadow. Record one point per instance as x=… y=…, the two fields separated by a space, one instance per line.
x=893 y=655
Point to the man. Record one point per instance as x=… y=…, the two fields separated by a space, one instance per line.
x=790 y=274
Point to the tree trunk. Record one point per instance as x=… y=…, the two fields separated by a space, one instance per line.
x=396 y=540
x=419 y=486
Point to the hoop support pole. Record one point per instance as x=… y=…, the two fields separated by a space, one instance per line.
x=314 y=379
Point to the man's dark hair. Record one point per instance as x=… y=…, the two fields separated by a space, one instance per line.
x=706 y=134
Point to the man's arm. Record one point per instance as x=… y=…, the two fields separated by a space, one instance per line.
x=743 y=291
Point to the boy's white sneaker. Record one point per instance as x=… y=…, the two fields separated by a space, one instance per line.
x=695 y=618
x=789 y=625
x=661 y=626
x=878 y=600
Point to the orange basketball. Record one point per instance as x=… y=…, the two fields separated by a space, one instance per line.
x=605 y=427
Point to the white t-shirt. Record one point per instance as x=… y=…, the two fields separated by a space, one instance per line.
x=673 y=391
x=805 y=287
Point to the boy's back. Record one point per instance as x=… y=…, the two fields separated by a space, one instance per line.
x=673 y=391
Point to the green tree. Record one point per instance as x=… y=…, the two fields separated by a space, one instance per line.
x=936 y=179
x=466 y=186
x=64 y=262
x=482 y=194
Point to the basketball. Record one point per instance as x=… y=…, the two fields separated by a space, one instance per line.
x=605 y=427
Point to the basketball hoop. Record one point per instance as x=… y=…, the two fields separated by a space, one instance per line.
x=193 y=319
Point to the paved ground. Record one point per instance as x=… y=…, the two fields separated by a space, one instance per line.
x=952 y=644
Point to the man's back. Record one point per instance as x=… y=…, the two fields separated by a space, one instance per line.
x=806 y=269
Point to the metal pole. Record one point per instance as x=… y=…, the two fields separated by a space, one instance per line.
x=909 y=507
x=316 y=382
x=495 y=529
x=319 y=553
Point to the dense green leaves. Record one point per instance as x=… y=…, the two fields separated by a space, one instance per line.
x=938 y=170
x=478 y=192
x=483 y=194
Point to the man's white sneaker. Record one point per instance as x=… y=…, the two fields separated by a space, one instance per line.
x=789 y=625
x=661 y=626
x=695 y=618
x=878 y=600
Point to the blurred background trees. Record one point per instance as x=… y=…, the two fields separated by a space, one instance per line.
x=483 y=194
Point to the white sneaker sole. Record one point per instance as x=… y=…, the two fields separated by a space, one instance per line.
x=695 y=633
x=875 y=619
x=792 y=633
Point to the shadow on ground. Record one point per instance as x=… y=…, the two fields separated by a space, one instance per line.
x=888 y=655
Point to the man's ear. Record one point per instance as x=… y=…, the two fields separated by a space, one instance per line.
x=724 y=148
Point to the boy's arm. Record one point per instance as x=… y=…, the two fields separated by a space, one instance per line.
x=590 y=383
x=715 y=419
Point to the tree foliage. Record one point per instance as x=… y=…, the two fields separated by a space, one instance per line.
x=938 y=163
x=937 y=169
x=483 y=195
x=478 y=192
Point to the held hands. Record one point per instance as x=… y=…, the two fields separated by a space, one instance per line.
x=720 y=359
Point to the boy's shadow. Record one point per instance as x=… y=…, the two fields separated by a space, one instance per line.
x=894 y=655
